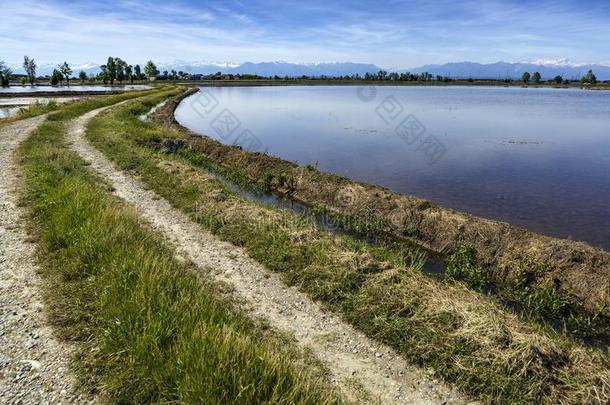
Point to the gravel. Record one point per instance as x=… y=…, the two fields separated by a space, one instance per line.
x=347 y=353
x=34 y=365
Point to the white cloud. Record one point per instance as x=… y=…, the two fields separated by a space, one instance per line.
x=397 y=34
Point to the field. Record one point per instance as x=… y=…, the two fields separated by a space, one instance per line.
x=171 y=284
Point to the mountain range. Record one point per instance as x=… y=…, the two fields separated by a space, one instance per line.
x=498 y=70
x=502 y=70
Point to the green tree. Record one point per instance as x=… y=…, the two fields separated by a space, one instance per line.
x=66 y=71
x=103 y=76
x=129 y=73
x=589 y=78
x=120 y=69
x=526 y=77
x=57 y=77
x=82 y=75
x=111 y=69
x=537 y=78
x=29 y=65
x=137 y=71
x=174 y=74
x=5 y=74
x=151 y=69
x=558 y=79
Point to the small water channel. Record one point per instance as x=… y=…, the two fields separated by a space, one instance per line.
x=146 y=117
x=536 y=158
x=6 y=112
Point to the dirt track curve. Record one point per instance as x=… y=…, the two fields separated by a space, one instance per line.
x=33 y=363
x=348 y=354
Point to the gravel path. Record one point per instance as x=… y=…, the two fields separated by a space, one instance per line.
x=33 y=364
x=348 y=354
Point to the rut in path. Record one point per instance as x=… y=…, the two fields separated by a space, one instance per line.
x=34 y=366
x=348 y=354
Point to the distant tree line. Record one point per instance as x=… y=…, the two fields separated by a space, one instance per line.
x=117 y=70
x=589 y=78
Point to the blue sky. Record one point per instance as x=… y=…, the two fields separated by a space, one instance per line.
x=391 y=34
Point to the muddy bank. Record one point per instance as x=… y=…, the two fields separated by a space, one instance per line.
x=165 y=114
x=513 y=258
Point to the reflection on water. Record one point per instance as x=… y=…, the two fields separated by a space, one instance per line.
x=537 y=158
x=73 y=88
x=8 y=111
x=146 y=116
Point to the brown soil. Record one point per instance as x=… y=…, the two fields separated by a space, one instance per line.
x=165 y=114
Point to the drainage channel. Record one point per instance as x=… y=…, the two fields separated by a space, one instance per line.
x=146 y=117
x=432 y=264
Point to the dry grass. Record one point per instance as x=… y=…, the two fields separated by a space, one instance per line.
x=148 y=328
x=576 y=272
x=465 y=337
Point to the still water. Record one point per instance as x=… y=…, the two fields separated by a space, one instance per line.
x=73 y=88
x=8 y=111
x=536 y=158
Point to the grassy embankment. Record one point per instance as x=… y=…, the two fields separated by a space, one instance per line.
x=148 y=329
x=463 y=336
x=555 y=282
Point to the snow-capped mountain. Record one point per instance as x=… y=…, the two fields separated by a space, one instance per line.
x=278 y=68
x=501 y=70
x=201 y=67
x=296 y=69
x=47 y=68
x=263 y=69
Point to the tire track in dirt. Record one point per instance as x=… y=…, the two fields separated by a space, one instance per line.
x=352 y=359
x=34 y=365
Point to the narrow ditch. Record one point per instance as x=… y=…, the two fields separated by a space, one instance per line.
x=356 y=363
x=433 y=263
x=146 y=117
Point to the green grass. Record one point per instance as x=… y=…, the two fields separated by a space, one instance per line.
x=541 y=302
x=539 y=299
x=149 y=329
x=461 y=266
x=466 y=338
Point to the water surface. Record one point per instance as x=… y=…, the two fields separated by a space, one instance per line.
x=537 y=158
x=73 y=88
x=8 y=111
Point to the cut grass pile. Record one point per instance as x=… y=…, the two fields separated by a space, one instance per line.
x=466 y=338
x=149 y=329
